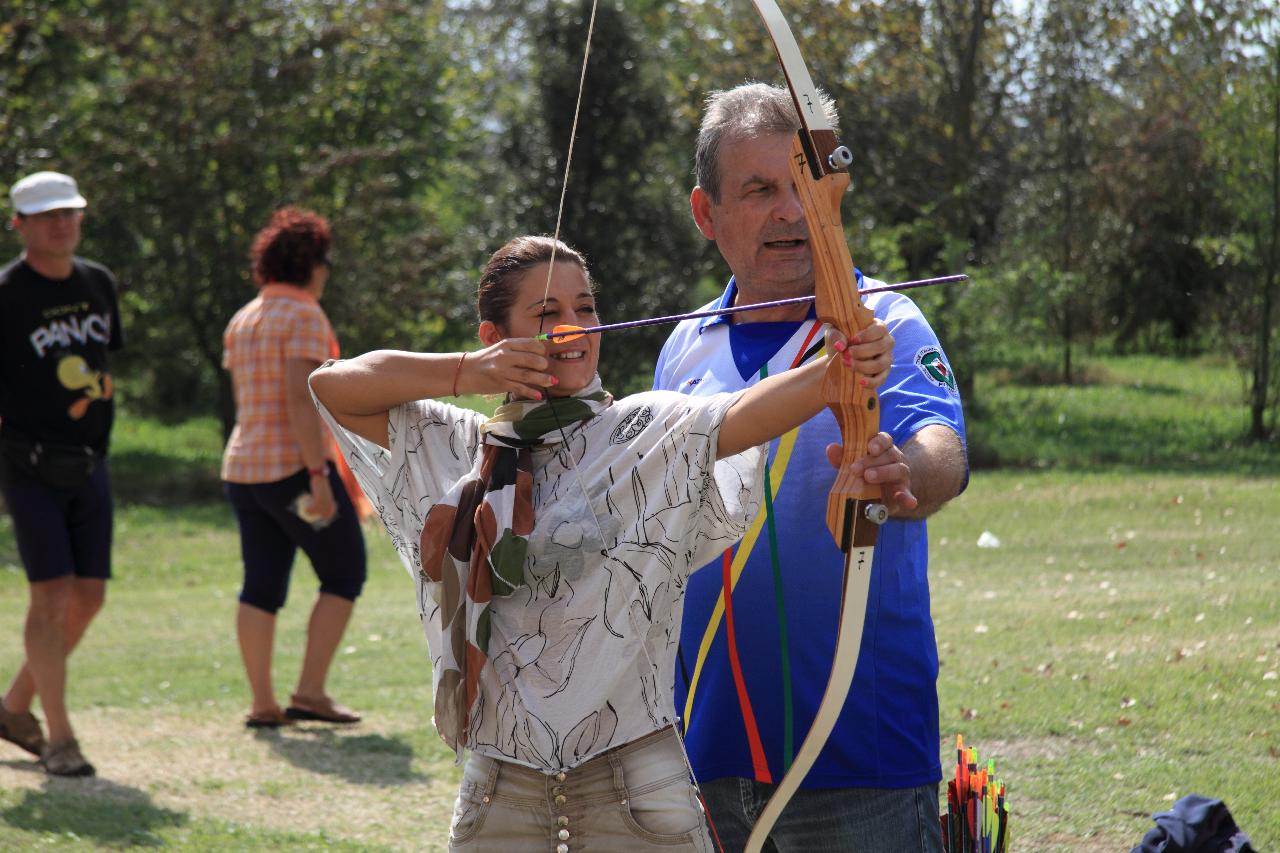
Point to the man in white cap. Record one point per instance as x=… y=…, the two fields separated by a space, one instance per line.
x=58 y=319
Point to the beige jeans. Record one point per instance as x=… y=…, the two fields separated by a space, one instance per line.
x=634 y=797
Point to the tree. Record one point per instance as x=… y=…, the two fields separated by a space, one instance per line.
x=207 y=117
x=1063 y=209
x=1225 y=60
x=625 y=203
x=42 y=54
x=1245 y=143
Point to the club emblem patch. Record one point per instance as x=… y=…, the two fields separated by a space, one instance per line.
x=632 y=425
x=935 y=368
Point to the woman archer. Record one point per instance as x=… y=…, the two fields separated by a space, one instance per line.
x=551 y=544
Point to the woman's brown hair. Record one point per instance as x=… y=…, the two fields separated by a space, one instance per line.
x=496 y=291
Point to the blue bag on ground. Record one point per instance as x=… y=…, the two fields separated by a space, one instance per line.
x=1195 y=824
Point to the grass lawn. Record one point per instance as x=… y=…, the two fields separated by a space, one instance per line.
x=1119 y=649
x=158 y=696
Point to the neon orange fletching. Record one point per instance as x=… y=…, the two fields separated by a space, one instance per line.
x=564 y=334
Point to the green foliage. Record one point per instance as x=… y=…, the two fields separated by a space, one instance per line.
x=625 y=204
x=1134 y=414
x=195 y=124
x=1111 y=168
x=1242 y=141
x=166 y=464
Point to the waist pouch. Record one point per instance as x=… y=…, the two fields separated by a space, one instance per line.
x=66 y=467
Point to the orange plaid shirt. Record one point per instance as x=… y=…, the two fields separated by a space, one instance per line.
x=281 y=324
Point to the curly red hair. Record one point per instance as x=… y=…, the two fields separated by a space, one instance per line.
x=290 y=247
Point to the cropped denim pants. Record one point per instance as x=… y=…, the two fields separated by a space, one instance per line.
x=634 y=797
x=828 y=820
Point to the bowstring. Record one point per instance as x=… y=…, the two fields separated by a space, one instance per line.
x=551 y=264
x=568 y=164
x=568 y=450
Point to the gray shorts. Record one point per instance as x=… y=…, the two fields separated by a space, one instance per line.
x=634 y=797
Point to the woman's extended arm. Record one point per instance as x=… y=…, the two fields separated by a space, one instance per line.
x=360 y=391
x=783 y=401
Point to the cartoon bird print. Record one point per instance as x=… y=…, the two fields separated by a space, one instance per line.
x=75 y=375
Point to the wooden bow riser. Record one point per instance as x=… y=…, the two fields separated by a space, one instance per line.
x=856 y=408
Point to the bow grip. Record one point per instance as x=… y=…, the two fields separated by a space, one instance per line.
x=854 y=510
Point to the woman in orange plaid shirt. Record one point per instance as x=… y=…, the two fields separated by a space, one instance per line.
x=278 y=468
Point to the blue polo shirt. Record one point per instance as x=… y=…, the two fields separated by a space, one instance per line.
x=747 y=704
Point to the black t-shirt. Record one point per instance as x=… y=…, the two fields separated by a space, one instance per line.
x=54 y=336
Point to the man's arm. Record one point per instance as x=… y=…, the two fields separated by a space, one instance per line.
x=918 y=478
x=938 y=469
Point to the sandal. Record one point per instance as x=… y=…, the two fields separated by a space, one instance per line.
x=22 y=729
x=64 y=759
x=271 y=719
x=322 y=710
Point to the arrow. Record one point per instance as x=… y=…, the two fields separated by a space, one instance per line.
x=566 y=333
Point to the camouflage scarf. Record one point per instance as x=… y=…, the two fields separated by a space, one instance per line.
x=475 y=540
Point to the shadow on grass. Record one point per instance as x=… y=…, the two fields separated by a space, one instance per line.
x=96 y=809
x=156 y=479
x=362 y=759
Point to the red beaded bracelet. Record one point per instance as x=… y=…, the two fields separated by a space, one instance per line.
x=322 y=471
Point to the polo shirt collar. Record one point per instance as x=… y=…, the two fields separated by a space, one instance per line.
x=731 y=293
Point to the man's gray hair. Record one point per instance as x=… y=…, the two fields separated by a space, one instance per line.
x=744 y=112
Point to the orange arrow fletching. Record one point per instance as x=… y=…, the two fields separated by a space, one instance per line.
x=562 y=334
